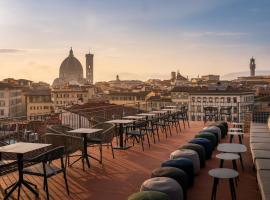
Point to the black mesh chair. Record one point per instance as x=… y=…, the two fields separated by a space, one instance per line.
x=225 y=112
x=44 y=167
x=137 y=132
x=6 y=165
x=183 y=115
x=102 y=138
x=210 y=113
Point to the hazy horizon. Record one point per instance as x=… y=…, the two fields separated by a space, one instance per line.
x=137 y=39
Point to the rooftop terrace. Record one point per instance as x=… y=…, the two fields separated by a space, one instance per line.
x=117 y=178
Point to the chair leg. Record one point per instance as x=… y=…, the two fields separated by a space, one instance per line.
x=148 y=140
x=112 y=150
x=46 y=187
x=141 y=138
x=65 y=178
x=100 y=151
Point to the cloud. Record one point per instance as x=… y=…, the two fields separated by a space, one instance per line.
x=217 y=34
x=11 y=50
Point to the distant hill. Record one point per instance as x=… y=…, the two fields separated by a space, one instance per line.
x=234 y=75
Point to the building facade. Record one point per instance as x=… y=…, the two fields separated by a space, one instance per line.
x=10 y=101
x=197 y=98
x=72 y=94
x=38 y=104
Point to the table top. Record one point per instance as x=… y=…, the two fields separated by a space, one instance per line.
x=22 y=147
x=85 y=130
x=223 y=173
x=235 y=133
x=120 y=121
x=228 y=156
x=146 y=114
x=170 y=106
x=134 y=117
x=159 y=111
x=232 y=148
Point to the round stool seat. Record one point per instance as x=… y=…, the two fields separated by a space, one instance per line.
x=223 y=173
x=209 y=136
x=149 y=195
x=199 y=149
x=184 y=164
x=213 y=129
x=165 y=185
x=228 y=156
x=171 y=172
x=206 y=144
x=188 y=153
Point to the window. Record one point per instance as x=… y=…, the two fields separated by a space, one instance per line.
x=228 y=99
x=2 y=113
x=199 y=109
x=210 y=99
x=216 y=99
x=234 y=99
x=222 y=100
x=234 y=109
x=199 y=99
x=193 y=99
x=204 y=99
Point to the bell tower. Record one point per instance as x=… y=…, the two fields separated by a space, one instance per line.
x=89 y=67
x=252 y=66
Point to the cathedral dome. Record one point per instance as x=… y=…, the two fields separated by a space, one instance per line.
x=71 y=68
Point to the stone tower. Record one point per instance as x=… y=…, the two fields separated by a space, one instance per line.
x=89 y=67
x=252 y=66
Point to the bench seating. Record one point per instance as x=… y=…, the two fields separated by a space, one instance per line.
x=260 y=150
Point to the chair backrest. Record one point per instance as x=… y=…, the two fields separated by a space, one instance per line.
x=53 y=154
x=107 y=134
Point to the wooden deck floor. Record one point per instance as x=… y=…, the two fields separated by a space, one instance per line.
x=117 y=178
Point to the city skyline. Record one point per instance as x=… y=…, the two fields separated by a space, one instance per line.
x=145 y=39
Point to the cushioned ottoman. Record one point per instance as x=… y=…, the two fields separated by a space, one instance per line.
x=204 y=143
x=188 y=153
x=209 y=136
x=184 y=164
x=199 y=149
x=223 y=129
x=171 y=172
x=164 y=184
x=213 y=129
x=149 y=195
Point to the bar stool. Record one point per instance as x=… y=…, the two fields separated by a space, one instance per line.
x=223 y=173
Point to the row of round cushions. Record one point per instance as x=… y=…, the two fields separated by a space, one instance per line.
x=213 y=129
x=178 y=171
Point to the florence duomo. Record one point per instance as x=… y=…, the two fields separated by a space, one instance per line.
x=71 y=71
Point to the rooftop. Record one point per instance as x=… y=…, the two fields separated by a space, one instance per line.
x=117 y=178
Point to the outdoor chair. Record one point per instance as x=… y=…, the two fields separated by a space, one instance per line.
x=225 y=112
x=137 y=132
x=71 y=143
x=210 y=113
x=183 y=115
x=164 y=125
x=6 y=164
x=174 y=121
x=44 y=166
x=102 y=138
x=152 y=128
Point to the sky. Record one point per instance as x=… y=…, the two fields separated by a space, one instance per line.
x=137 y=39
